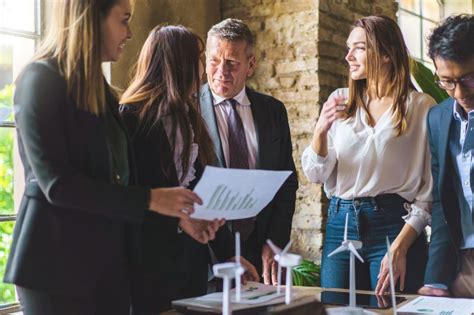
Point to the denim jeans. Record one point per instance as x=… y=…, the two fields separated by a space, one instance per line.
x=371 y=219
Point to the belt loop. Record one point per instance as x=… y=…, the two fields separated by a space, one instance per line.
x=338 y=200
x=374 y=204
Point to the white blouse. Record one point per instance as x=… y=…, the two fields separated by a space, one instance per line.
x=365 y=161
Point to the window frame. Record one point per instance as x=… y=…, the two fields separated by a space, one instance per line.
x=35 y=35
x=420 y=17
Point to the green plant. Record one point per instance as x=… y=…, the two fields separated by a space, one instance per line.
x=307 y=274
x=7 y=291
x=426 y=80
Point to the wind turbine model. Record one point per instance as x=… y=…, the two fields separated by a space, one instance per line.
x=352 y=246
x=229 y=271
x=392 y=283
x=288 y=261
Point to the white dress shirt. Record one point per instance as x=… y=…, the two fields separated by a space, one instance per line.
x=222 y=109
x=365 y=161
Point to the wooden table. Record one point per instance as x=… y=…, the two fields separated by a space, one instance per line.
x=301 y=292
x=312 y=291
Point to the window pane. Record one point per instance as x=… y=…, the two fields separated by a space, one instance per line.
x=427 y=29
x=7 y=291
x=14 y=54
x=431 y=9
x=410 y=5
x=410 y=26
x=18 y=14
x=6 y=171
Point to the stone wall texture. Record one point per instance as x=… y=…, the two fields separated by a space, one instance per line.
x=300 y=52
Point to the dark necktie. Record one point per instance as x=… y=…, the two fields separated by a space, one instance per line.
x=238 y=158
x=238 y=150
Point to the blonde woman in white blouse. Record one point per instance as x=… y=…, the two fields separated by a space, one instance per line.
x=370 y=150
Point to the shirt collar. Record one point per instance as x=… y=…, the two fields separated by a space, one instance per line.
x=241 y=98
x=458 y=112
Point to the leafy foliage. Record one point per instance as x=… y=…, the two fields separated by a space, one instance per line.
x=426 y=80
x=7 y=291
x=307 y=274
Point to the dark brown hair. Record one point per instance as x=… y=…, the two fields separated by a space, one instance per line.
x=384 y=41
x=165 y=83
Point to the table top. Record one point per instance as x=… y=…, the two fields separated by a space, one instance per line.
x=301 y=292
x=304 y=291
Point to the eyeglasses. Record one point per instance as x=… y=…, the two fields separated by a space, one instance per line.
x=466 y=81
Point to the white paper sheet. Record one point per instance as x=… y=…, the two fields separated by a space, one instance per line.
x=252 y=293
x=438 y=305
x=235 y=193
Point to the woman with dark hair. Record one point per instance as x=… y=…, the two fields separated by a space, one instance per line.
x=73 y=241
x=172 y=147
x=370 y=150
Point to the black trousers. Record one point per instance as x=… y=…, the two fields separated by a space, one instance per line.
x=111 y=296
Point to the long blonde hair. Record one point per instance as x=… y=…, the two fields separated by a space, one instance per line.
x=384 y=39
x=73 y=40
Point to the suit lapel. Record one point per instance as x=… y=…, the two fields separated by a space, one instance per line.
x=445 y=125
x=207 y=112
x=261 y=119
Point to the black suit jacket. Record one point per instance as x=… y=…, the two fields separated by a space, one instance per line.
x=274 y=153
x=446 y=235
x=172 y=264
x=72 y=222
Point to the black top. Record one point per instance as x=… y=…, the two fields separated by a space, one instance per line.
x=118 y=149
x=72 y=223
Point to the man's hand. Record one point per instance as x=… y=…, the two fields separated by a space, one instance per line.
x=201 y=230
x=433 y=291
x=250 y=273
x=269 y=266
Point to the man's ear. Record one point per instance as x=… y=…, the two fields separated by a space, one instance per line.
x=252 y=65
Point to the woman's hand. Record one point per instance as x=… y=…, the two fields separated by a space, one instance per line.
x=201 y=230
x=399 y=265
x=333 y=109
x=174 y=202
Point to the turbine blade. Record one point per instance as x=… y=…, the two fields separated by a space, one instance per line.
x=345 y=228
x=287 y=247
x=237 y=247
x=274 y=248
x=338 y=250
x=354 y=251
x=392 y=283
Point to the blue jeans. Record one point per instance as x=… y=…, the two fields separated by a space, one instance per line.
x=371 y=219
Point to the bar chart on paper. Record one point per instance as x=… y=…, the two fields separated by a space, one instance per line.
x=236 y=193
x=223 y=198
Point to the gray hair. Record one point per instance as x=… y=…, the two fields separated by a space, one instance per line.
x=232 y=30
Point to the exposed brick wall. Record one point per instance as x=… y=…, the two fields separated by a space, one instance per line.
x=300 y=53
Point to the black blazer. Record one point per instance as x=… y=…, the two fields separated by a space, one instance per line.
x=274 y=153
x=169 y=259
x=446 y=235
x=72 y=222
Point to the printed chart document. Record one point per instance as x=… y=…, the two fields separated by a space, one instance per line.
x=252 y=293
x=235 y=193
x=438 y=305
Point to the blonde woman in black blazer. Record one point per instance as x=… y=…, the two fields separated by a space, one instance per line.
x=74 y=237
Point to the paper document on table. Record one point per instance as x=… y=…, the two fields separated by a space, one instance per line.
x=252 y=293
x=438 y=305
x=236 y=193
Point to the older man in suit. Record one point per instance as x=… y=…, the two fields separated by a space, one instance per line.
x=450 y=267
x=250 y=131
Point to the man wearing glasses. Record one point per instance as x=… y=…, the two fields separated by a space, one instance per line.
x=450 y=269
